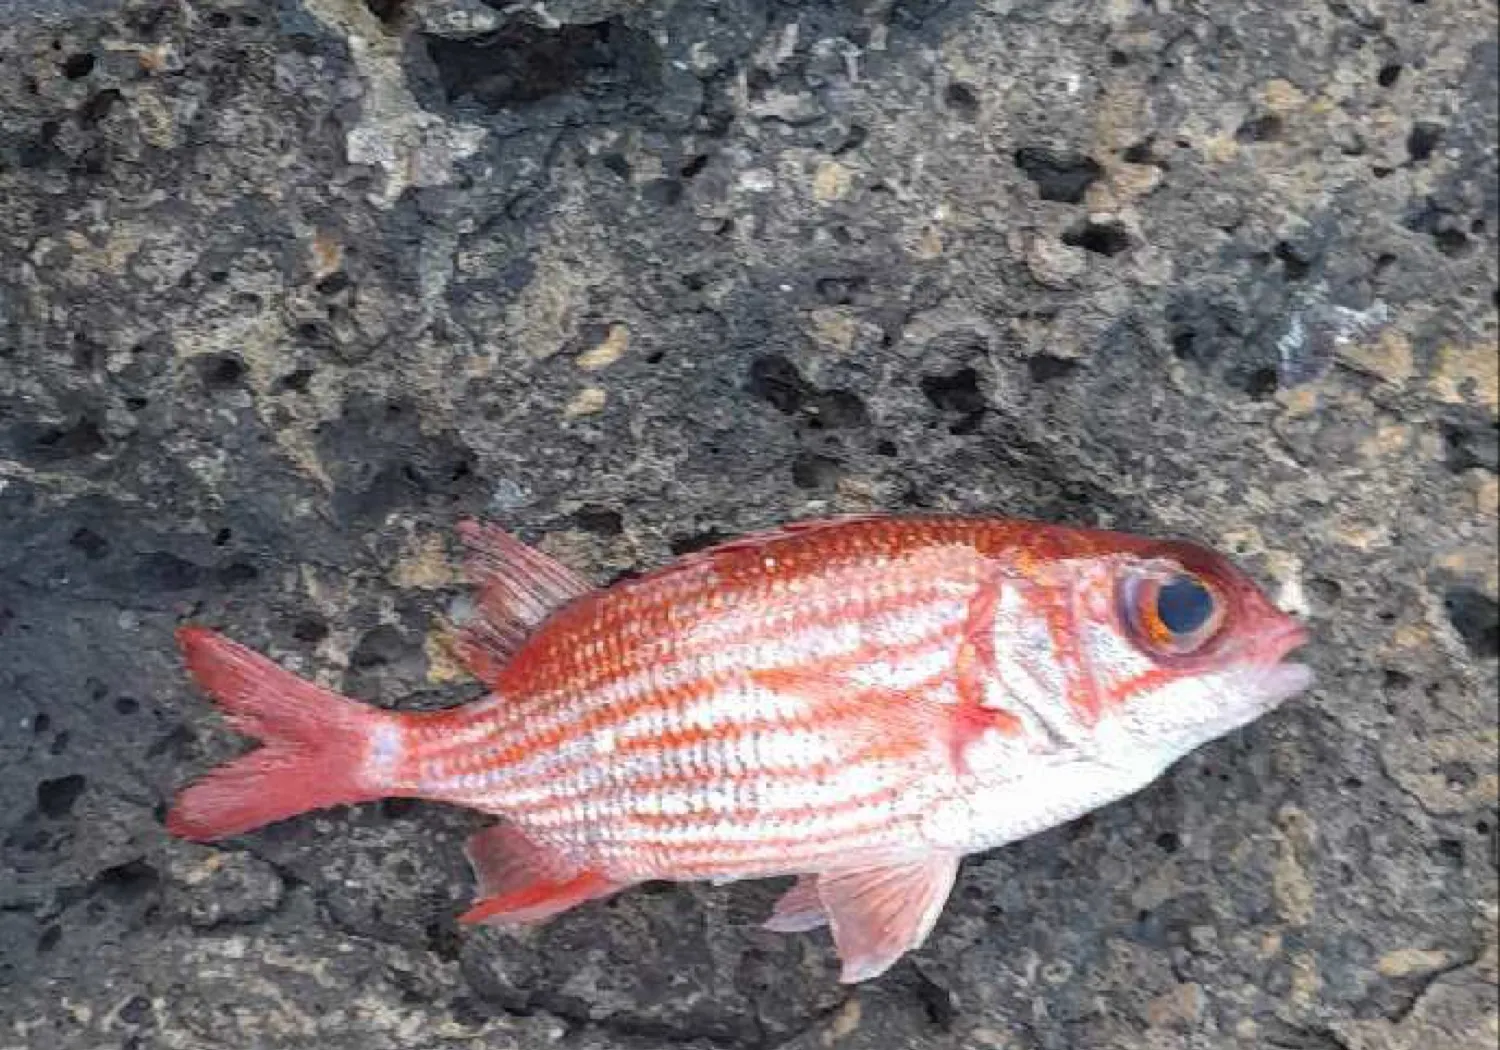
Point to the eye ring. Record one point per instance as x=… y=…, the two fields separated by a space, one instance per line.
x=1172 y=614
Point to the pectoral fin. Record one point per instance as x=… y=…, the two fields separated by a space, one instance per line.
x=880 y=914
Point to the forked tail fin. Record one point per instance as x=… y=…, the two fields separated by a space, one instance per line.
x=315 y=744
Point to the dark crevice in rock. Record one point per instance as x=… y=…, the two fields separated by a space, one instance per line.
x=1280 y=1035
x=777 y=381
x=1448 y=229
x=1427 y=981
x=954 y=392
x=524 y=64
x=55 y=797
x=1061 y=177
x=72 y=440
x=1471 y=444
x=1476 y=618
x=1424 y=138
x=1266 y=128
x=1108 y=238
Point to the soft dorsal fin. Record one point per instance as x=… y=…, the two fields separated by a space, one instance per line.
x=880 y=914
x=517 y=588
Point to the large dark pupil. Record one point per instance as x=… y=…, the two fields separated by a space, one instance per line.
x=1184 y=605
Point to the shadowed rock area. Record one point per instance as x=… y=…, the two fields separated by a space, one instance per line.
x=287 y=288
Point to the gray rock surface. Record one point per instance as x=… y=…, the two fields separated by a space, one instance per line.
x=286 y=288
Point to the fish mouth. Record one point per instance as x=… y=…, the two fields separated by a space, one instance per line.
x=1291 y=637
x=1281 y=682
x=1279 y=679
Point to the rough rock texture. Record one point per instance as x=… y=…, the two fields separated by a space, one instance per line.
x=286 y=288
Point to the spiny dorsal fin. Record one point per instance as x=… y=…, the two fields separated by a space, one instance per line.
x=517 y=588
x=758 y=540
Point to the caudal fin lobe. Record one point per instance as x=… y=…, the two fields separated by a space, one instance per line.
x=314 y=744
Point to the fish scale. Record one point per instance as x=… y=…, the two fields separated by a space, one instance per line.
x=759 y=625
x=857 y=702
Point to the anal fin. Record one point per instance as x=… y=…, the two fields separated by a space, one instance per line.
x=880 y=914
x=799 y=908
x=520 y=882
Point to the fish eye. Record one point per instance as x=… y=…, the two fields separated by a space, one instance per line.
x=1183 y=605
x=1172 y=615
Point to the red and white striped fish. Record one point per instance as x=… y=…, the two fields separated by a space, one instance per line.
x=860 y=702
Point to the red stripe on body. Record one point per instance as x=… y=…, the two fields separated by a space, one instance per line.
x=558 y=689
x=512 y=740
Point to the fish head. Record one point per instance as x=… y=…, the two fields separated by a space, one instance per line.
x=1112 y=656
x=1181 y=647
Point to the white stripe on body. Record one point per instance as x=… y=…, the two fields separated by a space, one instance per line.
x=590 y=793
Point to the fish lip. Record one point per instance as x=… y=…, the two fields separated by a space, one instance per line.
x=1292 y=636
x=1282 y=681
x=1292 y=675
x=1279 y=679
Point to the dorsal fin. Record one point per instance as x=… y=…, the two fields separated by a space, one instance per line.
x=754 y=540
x=517 y=587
